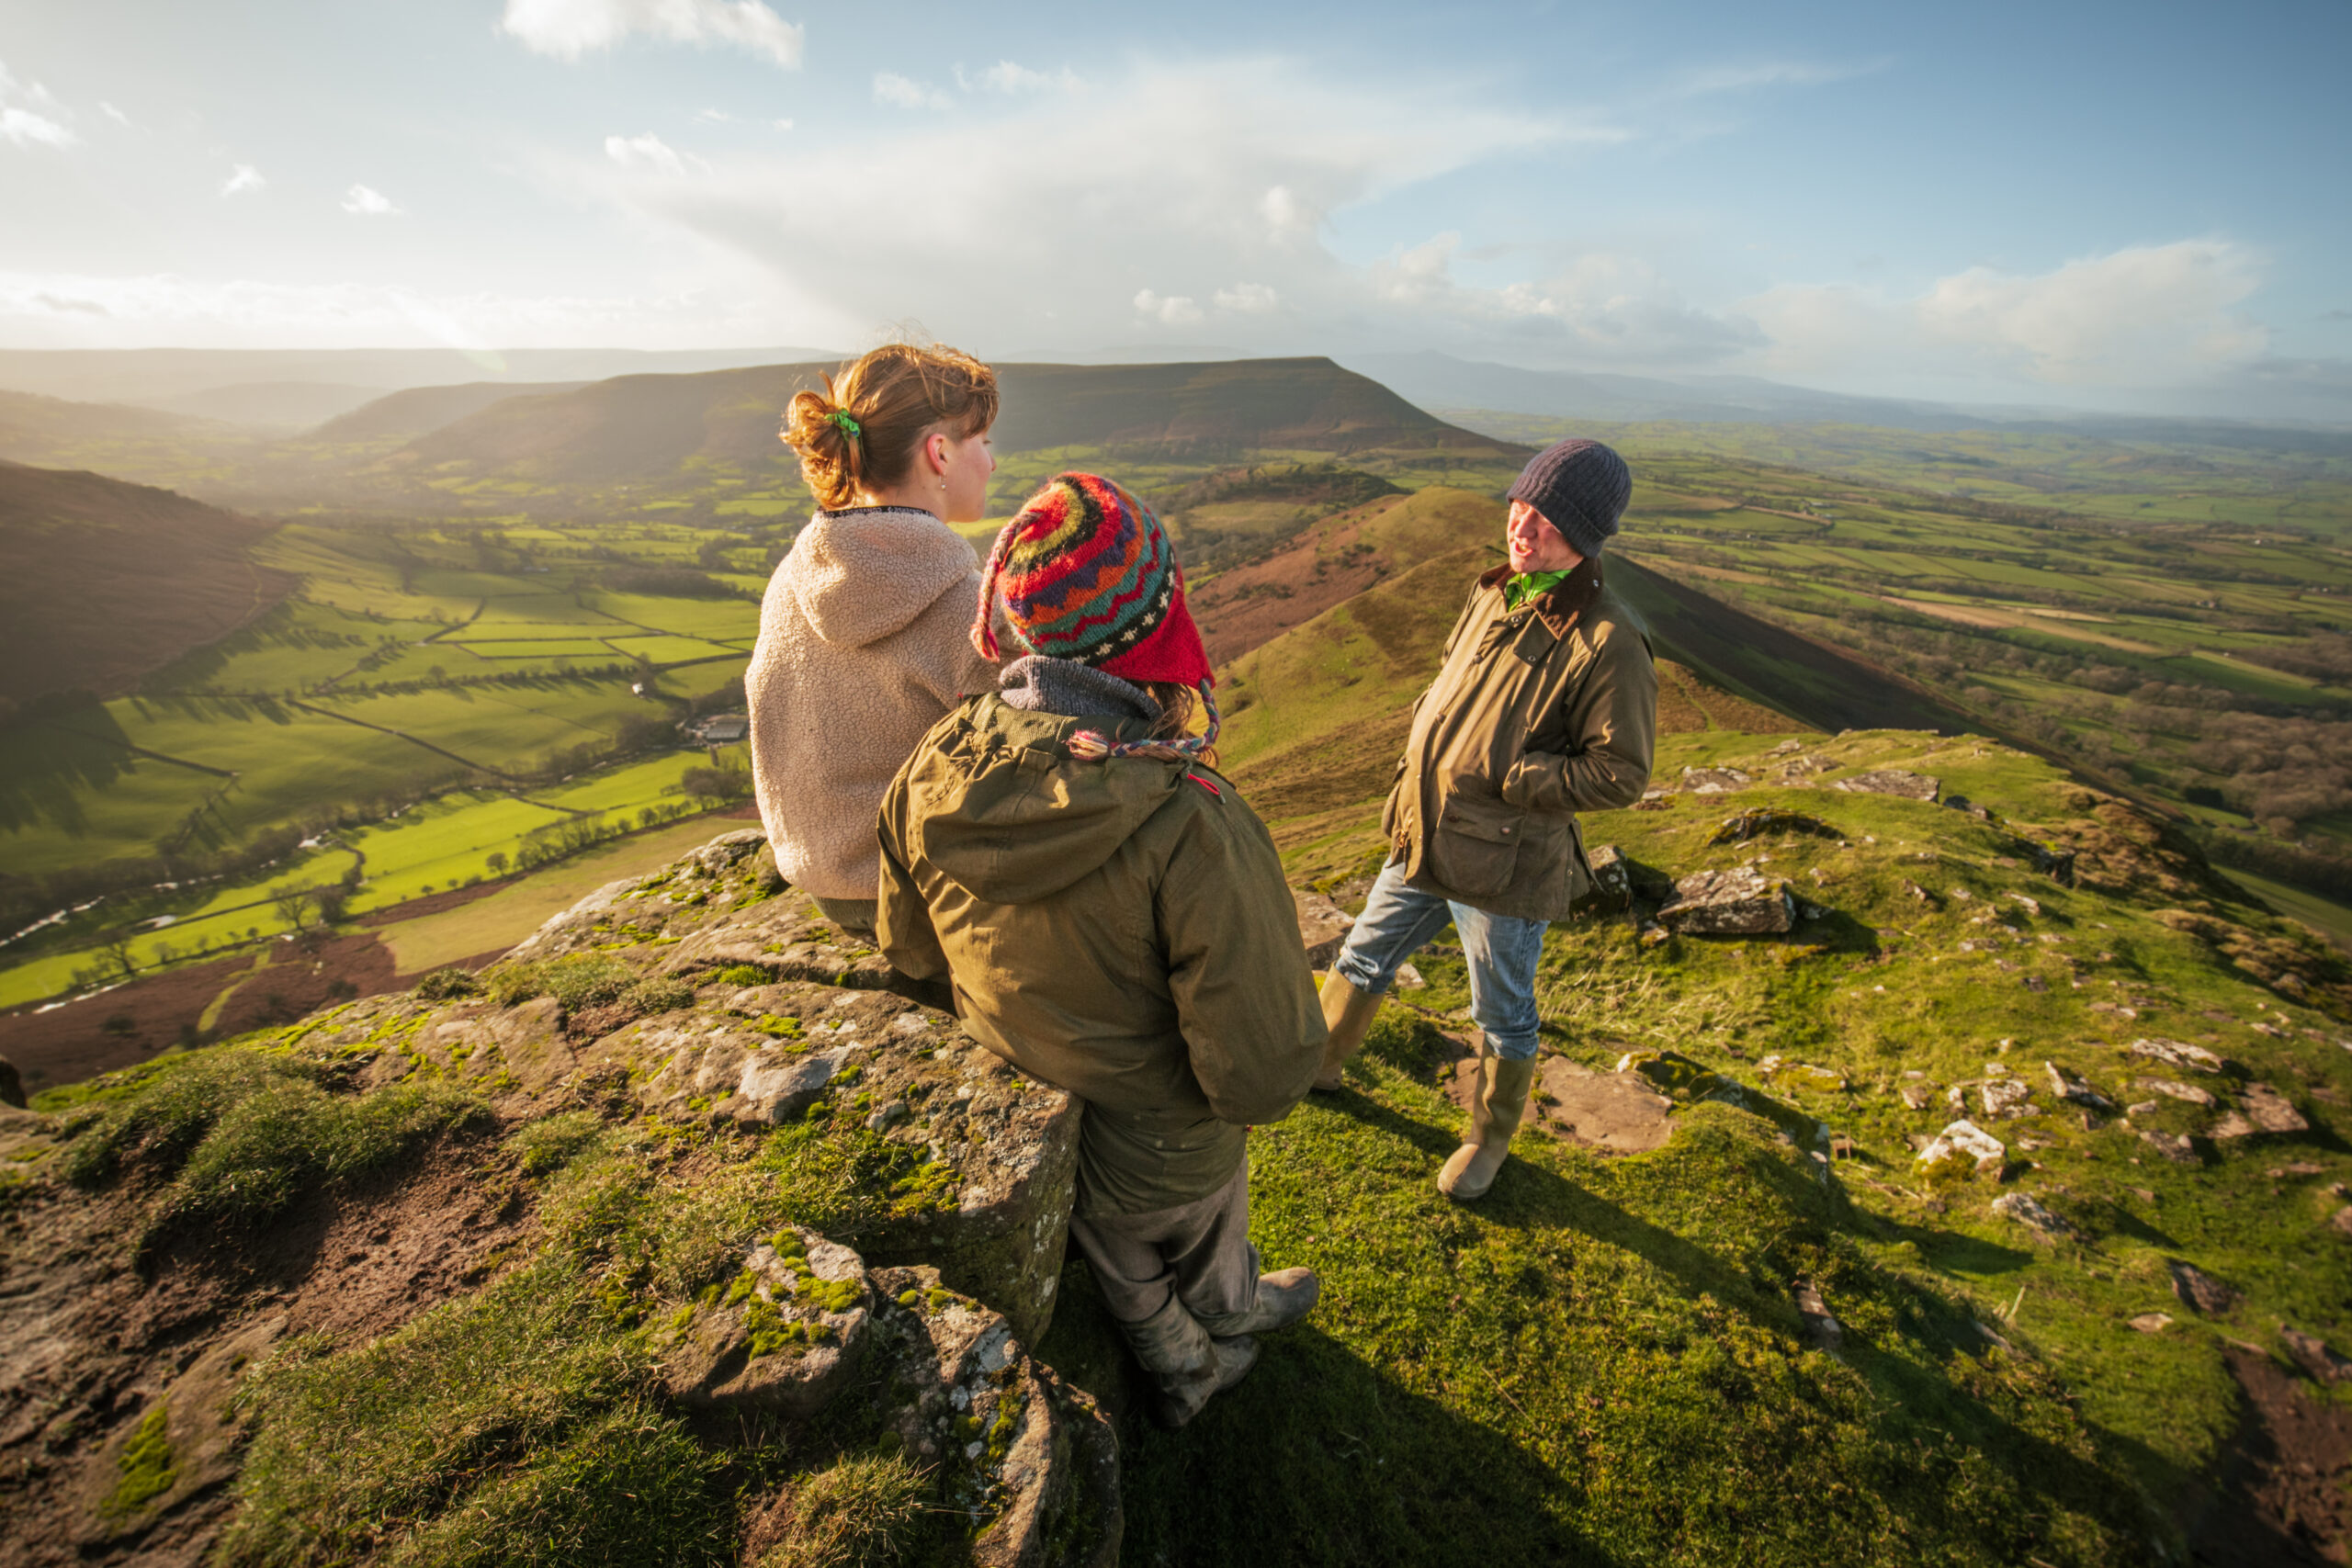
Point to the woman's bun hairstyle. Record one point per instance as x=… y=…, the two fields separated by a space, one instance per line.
x=863 y=431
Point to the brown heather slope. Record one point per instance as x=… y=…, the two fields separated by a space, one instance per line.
x=101 y=580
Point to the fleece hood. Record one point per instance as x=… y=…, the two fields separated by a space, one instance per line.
x=860 y=575
x=1005 y=812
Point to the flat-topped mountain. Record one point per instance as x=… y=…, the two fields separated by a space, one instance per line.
x=648 y=426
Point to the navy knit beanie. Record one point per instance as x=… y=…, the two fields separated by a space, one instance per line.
x=1582 y=488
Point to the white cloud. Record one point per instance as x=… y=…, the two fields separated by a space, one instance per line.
x=906 y=92
x=1215 y=170
x=780 y=124
x=365 y=201
x=569 y=28
x=30 y=116
x=716 y=116
x=115 y=115
x=1712 y=79
x=2145 y=315
x=84 y=310
x=1181 y=311
x=648 y=152
x=1248 y=299
x=1015 y=80
x=243 y=178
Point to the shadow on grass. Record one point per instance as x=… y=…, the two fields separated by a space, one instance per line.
x=1317 y=1458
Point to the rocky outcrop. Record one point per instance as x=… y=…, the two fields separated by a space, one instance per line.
x=1007 y=1440
x=1890 y=780
x=784 y=1336
x=780 y=1015
x=1739 y=902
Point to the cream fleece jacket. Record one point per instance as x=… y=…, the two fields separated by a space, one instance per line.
x=864 y=644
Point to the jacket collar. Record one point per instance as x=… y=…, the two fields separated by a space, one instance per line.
x=1560 y=605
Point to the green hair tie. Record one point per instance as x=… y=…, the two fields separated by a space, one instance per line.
x=841 y=420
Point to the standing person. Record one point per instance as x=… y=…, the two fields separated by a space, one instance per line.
x=1114 y=920
x=1545 y=705
x=863 y=632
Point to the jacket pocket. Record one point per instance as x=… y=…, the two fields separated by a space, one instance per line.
x=1475 y=847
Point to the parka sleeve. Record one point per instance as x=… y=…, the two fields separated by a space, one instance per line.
x=1614 y=720
x=902 y=916
x=1237 y=967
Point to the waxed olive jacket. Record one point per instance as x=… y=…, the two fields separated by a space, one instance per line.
x=1537 y=713
x=1117 y=927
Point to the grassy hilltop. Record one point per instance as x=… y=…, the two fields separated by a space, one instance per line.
x=1775 y=1339
x=1778 y=1337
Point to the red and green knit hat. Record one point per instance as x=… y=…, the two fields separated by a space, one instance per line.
x=1085 y=572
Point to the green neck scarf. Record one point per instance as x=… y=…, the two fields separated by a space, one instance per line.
x=1526 y=585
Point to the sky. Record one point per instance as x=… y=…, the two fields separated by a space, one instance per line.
x=2140 y=207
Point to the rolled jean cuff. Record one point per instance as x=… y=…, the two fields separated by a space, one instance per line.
x=1512 y=1047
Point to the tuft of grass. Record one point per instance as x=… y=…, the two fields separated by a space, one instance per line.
x=159 y=1115
x=576 y=981
x=629 y=1487
x=235 y=1135
x=866 y=1511
x=509 y=1426
x=551 y=1143
x=447 y=984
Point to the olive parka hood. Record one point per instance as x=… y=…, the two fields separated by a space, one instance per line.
x=1119 y=928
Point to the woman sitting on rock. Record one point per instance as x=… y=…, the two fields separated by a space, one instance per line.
x=864 y=633
x=1114 y=921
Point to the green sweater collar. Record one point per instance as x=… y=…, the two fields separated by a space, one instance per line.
x=1526 y=585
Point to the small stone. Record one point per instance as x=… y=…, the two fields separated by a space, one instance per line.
x=2006 y=1098
x=1714 y=781
x=1890 y=780
x=1917 y=1095
x=2272 y=1112
x=2030 y=1214
x=2232 y=1125
x=2342 y=1220
x=2173 y=1091
x=1965 y=1139
x=2174 y=1146
x=1322 y=926
x=2313 y=1356
x=2199 y=1291
x=1410 y=979
x=1739 y=902
x=2177 y=1054
x=2298 y=1168
x=2068 y=1087
x=2152 y=1322
x=1823 y=1330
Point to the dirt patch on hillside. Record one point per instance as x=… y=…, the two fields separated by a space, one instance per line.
x=91 y=1345
x=1250 y=605
x=127 y=1025
x=2282 y=1495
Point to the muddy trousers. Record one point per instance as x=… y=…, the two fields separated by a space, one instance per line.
x=1198 y=1253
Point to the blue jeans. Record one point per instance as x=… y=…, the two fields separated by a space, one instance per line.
x=1501 y=952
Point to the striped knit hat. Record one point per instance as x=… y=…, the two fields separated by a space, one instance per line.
x=1085 y=572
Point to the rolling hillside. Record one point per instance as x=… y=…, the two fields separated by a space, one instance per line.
x=101 y=581
x=650 y=428
x=419 y=411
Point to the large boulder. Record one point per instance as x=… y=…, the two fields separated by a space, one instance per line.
x=1029 y=1459
x=785 y=1021
x=784 y=1336
x=1890 y=780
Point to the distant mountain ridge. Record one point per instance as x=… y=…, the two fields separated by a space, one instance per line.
x=633 y=427
x=1459 y=387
